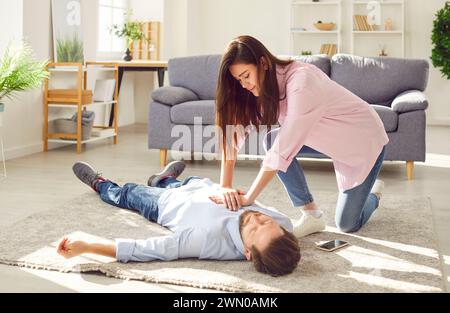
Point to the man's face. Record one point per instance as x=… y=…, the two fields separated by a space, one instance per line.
x=257 y=230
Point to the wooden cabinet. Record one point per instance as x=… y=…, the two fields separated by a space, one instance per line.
x=78 y=98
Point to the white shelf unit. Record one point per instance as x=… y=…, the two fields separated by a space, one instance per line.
x=68 y=69
x=369 y=43
x=76 y=103
x=83 y=106
x=65 y=105
x=92 y=139
x=303 y=16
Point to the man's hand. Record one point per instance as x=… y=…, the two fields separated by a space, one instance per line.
x=70 y=248
x=232 y=200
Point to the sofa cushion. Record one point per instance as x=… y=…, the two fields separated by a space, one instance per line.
x=388 y=117
x=378 y=79
x=411 y=100
x=197 y=73
x=184 y=113
x=322 y=61
x=173 y=95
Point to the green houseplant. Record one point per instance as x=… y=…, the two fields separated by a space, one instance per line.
x=441 y=40
x=131 y=31
x=19 y=71
x=70 y=49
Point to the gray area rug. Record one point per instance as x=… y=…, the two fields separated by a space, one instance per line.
x=394 y=252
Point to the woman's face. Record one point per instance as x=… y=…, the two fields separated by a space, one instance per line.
x=247 y=75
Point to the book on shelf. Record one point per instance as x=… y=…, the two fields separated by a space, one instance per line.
x=361 y=23
x=357 y=26
x=328 y=49
x=366 y=22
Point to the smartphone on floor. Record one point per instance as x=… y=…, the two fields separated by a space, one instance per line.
x=332 y=245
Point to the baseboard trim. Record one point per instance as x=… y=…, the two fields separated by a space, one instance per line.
x=18 y=152
x=439 y=122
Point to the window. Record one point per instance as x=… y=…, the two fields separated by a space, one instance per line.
x=111 y=12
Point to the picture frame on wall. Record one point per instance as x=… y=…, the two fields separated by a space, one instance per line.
x=67 y=31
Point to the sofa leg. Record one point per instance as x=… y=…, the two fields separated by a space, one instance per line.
x=163 y=157
x=409 y=169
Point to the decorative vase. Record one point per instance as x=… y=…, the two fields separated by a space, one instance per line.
x=127 y=56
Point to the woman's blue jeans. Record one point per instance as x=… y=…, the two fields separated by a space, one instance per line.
x=140 y=198
x=354 y=206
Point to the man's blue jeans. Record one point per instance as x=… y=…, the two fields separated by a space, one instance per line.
x=354 y=206
x=140 y=198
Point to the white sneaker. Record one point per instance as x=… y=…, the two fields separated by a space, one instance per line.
x=308 y=224
x=377 y=188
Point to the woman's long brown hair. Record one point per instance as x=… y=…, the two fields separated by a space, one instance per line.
x=238 y=106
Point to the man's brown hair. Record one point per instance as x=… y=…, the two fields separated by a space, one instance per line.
x=280 y=257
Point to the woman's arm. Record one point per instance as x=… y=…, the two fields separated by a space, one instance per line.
x=265 y=175
x=226 y=170
x=231 y=198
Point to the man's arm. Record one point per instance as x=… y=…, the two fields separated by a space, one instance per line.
x=163 y=248
x=70 y=248
x=187 y=243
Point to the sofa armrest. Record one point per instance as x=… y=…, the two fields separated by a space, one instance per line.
x=170 y=95
x=410 y=100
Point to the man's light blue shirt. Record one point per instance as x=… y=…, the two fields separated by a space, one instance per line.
x=201 y=228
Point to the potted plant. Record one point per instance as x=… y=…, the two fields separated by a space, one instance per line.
x=441 y=40
x=19 y=71
x=131 y=31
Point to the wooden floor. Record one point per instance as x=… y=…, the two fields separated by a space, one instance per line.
x=45 y=180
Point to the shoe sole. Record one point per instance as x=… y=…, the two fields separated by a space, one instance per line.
x=154 y=179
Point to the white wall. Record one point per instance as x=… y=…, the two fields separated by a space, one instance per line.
x=19 y=123
x=220 y=21
x=174 y=29
x=205 y=26
x=10 y=20
x=144 y=10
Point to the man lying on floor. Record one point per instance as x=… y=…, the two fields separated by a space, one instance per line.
x=200 y=227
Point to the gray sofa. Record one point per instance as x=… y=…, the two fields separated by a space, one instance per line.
x=394 y=87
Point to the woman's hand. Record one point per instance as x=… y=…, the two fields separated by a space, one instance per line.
x=233 y=199
x=70 y=248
